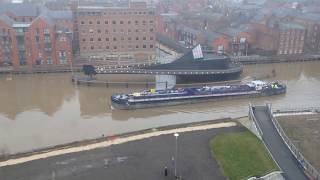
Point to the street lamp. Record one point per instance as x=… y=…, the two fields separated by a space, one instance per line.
x=176 y=155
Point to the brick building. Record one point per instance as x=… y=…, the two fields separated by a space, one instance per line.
x=311 y=22
x=117 y=33
x=45 y=40
x=291 y=39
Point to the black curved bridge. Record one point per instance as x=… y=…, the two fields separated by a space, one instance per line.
x=210 y=67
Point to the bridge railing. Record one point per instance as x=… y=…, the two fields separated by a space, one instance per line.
x=303 y=162
x=281 y=110
x=254 y=126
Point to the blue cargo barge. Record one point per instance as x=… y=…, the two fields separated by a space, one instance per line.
x=154 y=98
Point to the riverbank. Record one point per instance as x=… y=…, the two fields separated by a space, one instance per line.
x=253 y=59
x=256 y=59
x=141 y=159
x=86 y=145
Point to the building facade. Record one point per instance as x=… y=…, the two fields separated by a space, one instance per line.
x=291 y=39
x=312 y=24
x=117 y=33
x=45 y=40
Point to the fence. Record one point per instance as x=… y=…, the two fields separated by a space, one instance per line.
x=254 y=125
x=309 y=169
x=285 y=110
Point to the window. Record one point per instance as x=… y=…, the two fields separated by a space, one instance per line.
x=106 y=22
x=92 y=47
x=114 y=47
x=62 y=57
x=144 y=38
x=121 y=22
x=144 y=46
x=99 y=39
x=107 y=39
x=106 y=31
x=63 y=38
x=136 y=22
x=137 y=30
x=114 y=22
x=114 y=30
x=98 y=22
x=151 y=22
x=129 y=22
x=129 y=30
x=90 y=22
x=46 y=31
x=107 y=47
x=137 y=38
x=99 y=31
x=151 y=46
x=151 y=30
x=122 y=38
x=49 y=60
x=137 y=46
x=114 y=39
x=129 y=38
x=151 y=38
x=83 y=40
x=144 y=22
x=91 y=39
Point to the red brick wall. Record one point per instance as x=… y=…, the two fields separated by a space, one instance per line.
x=223 y=40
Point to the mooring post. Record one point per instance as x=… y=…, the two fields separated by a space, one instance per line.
x=166 y=84
x=127 y=85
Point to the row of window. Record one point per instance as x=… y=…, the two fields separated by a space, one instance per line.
x=122 y=39
x=290 y=51
x=136 y=22
x=115 y=31
x=116 y=47
x=118 y=13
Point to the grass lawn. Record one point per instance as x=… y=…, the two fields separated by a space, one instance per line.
x=241 y=155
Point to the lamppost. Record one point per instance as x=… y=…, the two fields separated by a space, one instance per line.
x=176 y=135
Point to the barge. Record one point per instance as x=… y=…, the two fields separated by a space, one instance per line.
x=154 y=98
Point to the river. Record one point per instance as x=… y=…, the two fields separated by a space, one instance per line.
x=41 y=110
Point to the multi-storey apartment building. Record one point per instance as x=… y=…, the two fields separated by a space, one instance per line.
x=311 y=22
x=46 y=39
x=109 y=33
x=291 y=39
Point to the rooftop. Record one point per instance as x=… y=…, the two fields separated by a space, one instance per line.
x=285 y=26
x=23 y=9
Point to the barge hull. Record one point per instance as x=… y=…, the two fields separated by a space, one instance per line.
x=151 y=104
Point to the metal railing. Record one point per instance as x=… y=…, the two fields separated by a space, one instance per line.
x=254 y=125
x=303 y=162
x=296 y=109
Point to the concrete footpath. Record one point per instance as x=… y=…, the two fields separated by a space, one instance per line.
x=136 y=157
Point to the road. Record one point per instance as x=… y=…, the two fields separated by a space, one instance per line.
x=142 y=159
x=277 y=147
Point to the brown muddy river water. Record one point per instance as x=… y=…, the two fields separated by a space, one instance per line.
x=41 y=110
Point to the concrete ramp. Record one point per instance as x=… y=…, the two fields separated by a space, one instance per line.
x=280 y=152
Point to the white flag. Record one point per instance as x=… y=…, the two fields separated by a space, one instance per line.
x=197 y=52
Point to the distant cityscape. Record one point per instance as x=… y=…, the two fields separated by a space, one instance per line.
x=57 y=32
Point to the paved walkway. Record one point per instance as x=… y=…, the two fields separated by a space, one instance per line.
x=142 y=159
x=277 y=147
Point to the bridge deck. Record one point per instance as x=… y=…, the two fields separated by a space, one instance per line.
x=107 y=70
x=280 y=152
